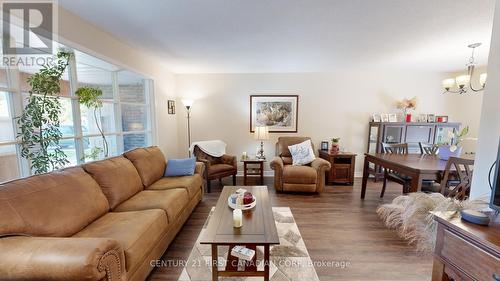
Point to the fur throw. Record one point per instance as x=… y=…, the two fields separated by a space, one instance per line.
x=412 y=215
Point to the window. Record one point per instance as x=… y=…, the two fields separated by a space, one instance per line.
x=124 y=118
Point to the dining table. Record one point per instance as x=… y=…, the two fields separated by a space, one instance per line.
x=416 y=166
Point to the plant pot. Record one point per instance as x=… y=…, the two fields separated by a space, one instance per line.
x=445 y=152
x=335 y=148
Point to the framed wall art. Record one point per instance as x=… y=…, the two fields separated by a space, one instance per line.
x=171 y=106
x=278 y=112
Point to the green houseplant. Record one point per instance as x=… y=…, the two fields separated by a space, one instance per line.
x=335 y=146
x=90 y=97
x=39 y=123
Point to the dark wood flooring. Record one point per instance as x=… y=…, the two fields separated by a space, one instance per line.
x=336 y=226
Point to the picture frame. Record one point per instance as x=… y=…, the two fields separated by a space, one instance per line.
x=393 y=117
x=431 y=118
x=442 y=119
x=422 y=118
x=278 y=112
x=376 y=118
x=385 y=117
x=324 y=145
x=171 y=106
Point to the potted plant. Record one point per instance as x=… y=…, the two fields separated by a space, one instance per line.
x=39 y=123
x=335 y=146
x=405 y=105
x=90 y=97
x=454 y=150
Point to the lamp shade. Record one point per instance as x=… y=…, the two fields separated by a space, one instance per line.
x=187 y=103
x=462 y=80
x=261 y=133
x=448 y=83
x=482 y=79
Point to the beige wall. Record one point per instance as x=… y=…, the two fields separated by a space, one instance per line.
x=490 y=117
x=82 y=35
x=330 y=104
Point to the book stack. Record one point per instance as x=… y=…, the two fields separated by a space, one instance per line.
x=242 y=253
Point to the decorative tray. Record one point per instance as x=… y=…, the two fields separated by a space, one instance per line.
x=242 y=207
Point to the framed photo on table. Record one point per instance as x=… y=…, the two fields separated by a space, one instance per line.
x=278 y=112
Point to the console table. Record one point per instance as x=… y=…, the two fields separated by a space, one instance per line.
x=343 y=165
x=466 y=251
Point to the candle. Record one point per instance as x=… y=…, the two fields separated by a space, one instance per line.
x=237 y=218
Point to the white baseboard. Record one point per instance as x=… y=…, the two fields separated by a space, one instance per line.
x=270 y=173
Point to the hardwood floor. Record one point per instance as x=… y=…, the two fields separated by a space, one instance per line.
x=336 y=226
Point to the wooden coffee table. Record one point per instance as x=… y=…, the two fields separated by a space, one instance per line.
x=259 y=229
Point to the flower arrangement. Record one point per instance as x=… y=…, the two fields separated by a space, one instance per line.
x=458 y=137
x=407 y=104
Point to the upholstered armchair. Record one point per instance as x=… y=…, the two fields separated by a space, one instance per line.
x=216 y=167
x=287 y=177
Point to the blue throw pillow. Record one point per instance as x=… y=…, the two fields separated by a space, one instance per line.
x=180 y=167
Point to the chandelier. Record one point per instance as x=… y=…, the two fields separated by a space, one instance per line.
x=463 y=82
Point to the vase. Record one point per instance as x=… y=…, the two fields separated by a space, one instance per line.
x=445 y=152
x=408 y=117
x=335 y=148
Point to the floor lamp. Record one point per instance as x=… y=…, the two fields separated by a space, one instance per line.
x=188 y=104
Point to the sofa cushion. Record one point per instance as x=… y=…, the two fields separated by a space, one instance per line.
x=299 y=174
x=137 y=232
x=149 y=162
x=192 y=183
x=219 y=168
x=56 y=204
x=172 y=201
x=118 y=178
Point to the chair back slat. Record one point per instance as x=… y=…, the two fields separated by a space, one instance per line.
x=462 y=170
x=395 y=148
x=428 y=148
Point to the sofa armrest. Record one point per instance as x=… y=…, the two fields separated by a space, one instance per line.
x=199 y=168
x=277 y=165
x=230 y=160
x=54 y=259
x=321 y=166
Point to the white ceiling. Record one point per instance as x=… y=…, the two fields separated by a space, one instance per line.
x=260 y=36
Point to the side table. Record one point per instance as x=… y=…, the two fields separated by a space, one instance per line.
x=253 y=167
x=343 y=165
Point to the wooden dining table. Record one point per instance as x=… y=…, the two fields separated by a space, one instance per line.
x=418 y=167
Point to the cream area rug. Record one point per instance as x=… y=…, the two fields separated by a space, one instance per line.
x=289 y=260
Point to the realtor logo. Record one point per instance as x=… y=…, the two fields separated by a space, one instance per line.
x=27 y=28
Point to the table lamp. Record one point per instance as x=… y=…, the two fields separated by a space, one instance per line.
x=261 y=133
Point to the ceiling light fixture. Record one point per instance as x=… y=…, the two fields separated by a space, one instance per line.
x=464 y=82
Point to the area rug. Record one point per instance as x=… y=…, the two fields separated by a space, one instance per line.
x=289 y=260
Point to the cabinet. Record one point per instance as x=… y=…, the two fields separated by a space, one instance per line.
x=465 y=251
x=343 y=165
x=411 y=133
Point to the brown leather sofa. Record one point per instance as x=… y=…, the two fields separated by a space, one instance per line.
x=105 y=220
x=287 y=177
x=217 y=167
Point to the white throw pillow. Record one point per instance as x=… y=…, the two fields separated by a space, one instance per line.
x=302 y=153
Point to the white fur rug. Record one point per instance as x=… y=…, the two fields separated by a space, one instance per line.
x=412 y=215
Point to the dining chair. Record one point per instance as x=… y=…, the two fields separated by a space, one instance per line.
x=405 y=181
x=461 y=170
x=428 y=148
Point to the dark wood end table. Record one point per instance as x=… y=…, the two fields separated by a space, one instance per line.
x=343 y=166
x=253 y=167
x=259 y=229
